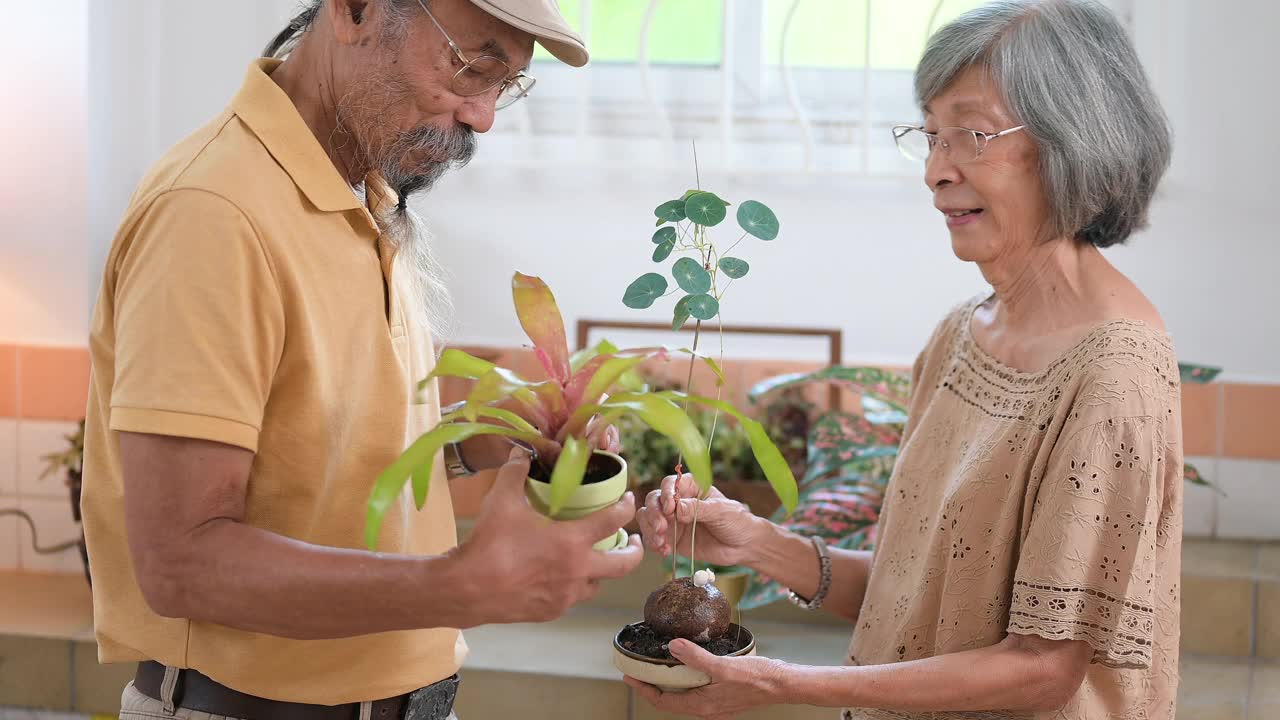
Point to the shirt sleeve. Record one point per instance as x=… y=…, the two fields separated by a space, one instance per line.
x=1086 y=569
x=199 y=323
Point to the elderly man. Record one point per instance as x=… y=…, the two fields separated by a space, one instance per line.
x=267 y=307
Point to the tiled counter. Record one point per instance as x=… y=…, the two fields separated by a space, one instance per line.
x=560 y=670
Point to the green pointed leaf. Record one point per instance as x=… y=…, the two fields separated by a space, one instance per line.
x=663 y=251
x=711 y=363
x=421 y=484
x=668 y=350
x=664 y=234
x=681 y=315
x=670 y=211
x=667 y=418
x=609 y=374
x=512 y=419
x=616 y=373
x=733 y=267
x=567 y=475
x=705 y=209
x=644 y=291
x=417 y=462
x=758 y=220
x=456 y=363
x=766 y=452
x=690 y=276
x=582 y=357
x=703 y=307
x=630 y=380
x=500 y=384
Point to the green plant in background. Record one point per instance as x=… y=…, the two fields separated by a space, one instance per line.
x=851 y=457
x=651 y=455
x=70 y=459
x=559 y=417
x=1198 y=375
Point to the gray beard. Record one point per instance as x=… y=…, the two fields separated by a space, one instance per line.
x=454 y=148
x=428 y=302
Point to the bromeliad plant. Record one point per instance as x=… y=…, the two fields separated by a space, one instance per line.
x=559 y=417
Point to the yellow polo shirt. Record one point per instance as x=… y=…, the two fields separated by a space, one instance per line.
x=249 y=299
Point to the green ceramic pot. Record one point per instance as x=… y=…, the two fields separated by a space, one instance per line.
x=586 y=499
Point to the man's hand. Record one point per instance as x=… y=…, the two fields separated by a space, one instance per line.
x=195 y=557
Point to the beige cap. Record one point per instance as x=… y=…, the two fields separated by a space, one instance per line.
x=542 y=19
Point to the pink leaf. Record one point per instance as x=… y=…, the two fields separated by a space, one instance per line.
x=540 y=317
x=578 y=384
x=547 y=363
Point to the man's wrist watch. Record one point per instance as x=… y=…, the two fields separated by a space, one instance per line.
x=453 y=461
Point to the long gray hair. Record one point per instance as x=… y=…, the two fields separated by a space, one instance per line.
x=1067 y=70
x=429 y=301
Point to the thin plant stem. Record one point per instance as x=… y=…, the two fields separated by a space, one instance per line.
x=697 y=174
x=735 y=244
x=675 y=526
x=693 y=534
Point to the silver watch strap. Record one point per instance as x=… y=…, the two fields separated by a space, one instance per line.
x=454 y=463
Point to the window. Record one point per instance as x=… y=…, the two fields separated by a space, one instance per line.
x=762 y=85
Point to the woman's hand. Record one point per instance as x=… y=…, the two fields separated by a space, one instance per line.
x=727 y=532
x=608 y=441
x=737 y=684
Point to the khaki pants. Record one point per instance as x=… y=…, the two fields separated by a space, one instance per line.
x=134 y=705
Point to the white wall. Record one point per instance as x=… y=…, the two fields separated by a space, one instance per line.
x=865 y=255
x=159 y=69
x=43 y=175
x=873 y=258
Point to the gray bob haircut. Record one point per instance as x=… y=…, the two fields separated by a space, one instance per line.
x=1067 y=70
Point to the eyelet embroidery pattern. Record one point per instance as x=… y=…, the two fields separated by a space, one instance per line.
x=1036 y=503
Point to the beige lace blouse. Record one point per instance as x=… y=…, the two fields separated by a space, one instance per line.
x=1046 y=503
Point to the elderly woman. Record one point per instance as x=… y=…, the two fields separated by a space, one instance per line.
x=1028 y=555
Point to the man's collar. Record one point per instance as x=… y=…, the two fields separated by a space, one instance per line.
x=271 y=115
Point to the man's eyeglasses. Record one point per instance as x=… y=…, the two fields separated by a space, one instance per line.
x=479 y=75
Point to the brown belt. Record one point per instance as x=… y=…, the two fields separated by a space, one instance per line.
x=197 y=692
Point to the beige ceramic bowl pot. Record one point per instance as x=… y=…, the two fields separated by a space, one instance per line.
x=670 y=675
